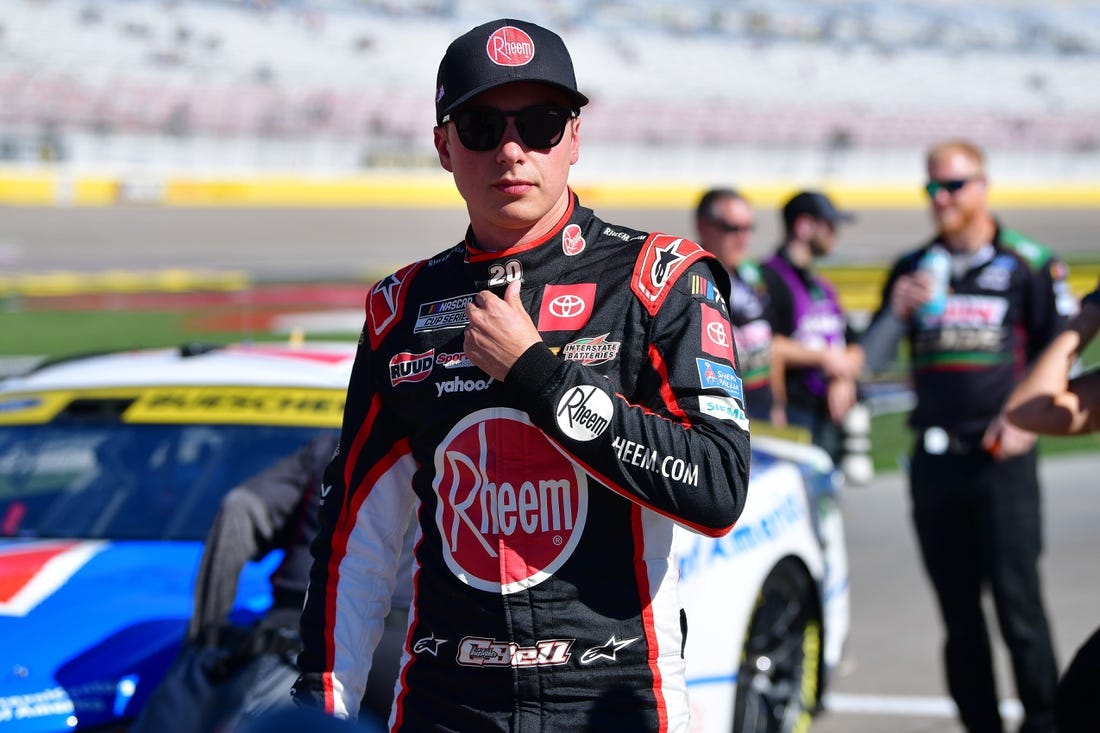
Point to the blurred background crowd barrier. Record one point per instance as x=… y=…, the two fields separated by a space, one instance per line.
x=114 y=100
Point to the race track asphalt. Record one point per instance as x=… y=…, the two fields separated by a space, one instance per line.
x=298 y=243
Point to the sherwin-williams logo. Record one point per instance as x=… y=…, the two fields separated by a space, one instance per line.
x=506 y=525
x=510 y=46
x=721 y=376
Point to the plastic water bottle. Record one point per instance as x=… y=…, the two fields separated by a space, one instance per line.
x=937 y=263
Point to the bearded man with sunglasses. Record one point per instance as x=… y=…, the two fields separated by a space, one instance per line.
x=973 y=475
x=551 y=396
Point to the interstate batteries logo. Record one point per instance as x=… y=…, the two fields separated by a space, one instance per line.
x=594 y=350
x=506 y=525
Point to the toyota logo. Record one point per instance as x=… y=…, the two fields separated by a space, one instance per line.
x=717 y=333
x=566 y=306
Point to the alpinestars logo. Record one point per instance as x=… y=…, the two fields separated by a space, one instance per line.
x=608 y=651
x=661 y=261
x=664 y=264
x=428 y=644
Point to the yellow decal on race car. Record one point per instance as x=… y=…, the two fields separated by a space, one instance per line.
x=306 y=407
x=259 y=405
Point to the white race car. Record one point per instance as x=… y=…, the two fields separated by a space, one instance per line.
x=112 y=466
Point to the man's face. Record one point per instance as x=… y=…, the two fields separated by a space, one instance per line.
x=727 y=232
x=823 y=239
x=512 y=190
x=954 y=211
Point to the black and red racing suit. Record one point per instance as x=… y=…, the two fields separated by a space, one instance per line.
x=545 y=583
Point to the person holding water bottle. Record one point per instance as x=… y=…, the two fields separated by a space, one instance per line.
x=977 y=304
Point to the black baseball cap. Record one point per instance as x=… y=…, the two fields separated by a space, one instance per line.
x=500 y=52
x=815 y=204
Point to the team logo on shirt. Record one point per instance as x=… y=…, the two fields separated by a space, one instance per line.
x=572 y=243
x=717 y=337
x=480 y=651
x=997 y=275
x=456 y=360
x=720 y=376
x=506 y=525
x=440 y=314
x=724 y=408
x=566 y=307
x=591 y=350
x=662 y=260
x=609 y=650
x=429 y=645
x=703 y=287
x=407 y=367
x=584 y=412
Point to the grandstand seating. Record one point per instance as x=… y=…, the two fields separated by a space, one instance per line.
x=826 y=75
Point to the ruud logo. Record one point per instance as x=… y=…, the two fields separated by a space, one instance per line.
x=509 y=46
x=406 y=367
x=506 y=525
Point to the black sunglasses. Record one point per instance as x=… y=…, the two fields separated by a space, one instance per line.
x=540 y=126
x=725 y=226
x=951 y=185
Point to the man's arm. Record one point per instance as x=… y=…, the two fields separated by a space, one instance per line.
x=253 y=519
x=703 y=431
x=365 y=505
x=1043 y=319
x=903 y=293
x=1047 y=400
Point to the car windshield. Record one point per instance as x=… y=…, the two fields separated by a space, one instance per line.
x=121 y=481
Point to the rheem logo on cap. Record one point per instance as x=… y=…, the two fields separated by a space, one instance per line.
x=510 y=46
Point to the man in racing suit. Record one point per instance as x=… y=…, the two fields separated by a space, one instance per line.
x=553 y=397
x=973 y=476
